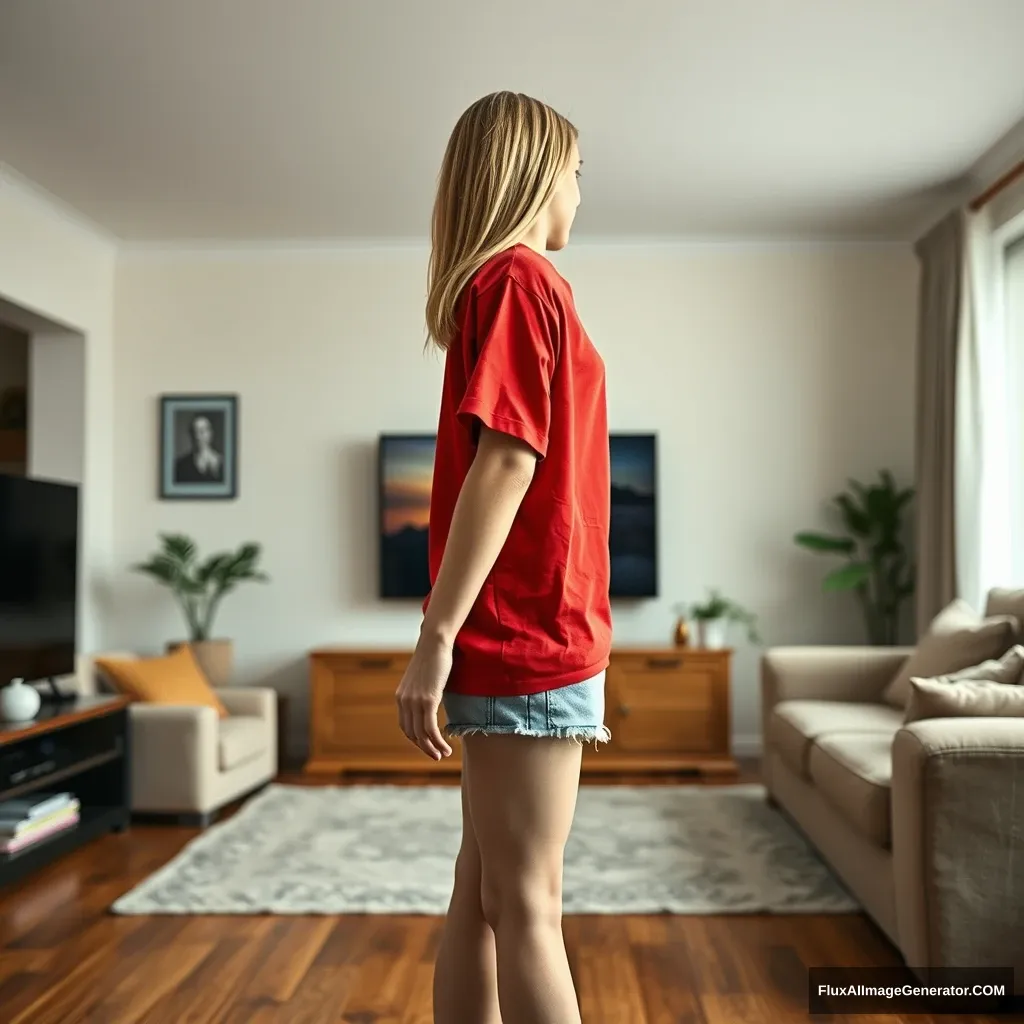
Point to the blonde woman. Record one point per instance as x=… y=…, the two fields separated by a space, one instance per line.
x=516 y=631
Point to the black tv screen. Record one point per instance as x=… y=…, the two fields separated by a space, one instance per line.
x=38 y=578
x=405 y=466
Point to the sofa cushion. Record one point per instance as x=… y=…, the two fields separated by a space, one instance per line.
x=241 y=739
x=957 y=638
x=794 y=725
x=853 y=772
x=1001 y=601
x=972 y=698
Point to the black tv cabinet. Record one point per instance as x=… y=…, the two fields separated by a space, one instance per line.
x=81 y=748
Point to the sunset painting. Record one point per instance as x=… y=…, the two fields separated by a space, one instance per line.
x=406 y=467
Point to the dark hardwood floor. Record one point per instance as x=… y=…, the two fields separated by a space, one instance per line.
x=64 y=959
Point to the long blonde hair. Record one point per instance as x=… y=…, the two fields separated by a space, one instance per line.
x=500 y=168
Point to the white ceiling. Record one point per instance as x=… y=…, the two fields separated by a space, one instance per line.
x=255 y=120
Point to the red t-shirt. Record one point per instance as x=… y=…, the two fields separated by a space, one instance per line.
x=521 y=363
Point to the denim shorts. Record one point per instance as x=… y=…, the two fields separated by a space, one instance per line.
x=574 y=712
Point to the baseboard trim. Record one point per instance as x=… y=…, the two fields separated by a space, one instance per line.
x=747 y=746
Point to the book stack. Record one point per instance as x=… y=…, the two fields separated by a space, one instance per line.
x=32 y=819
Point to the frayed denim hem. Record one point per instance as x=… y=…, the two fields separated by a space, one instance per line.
x=575 y=733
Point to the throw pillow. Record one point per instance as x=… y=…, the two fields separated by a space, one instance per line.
x=1007 y=669
x=972 y=698
x=957 y=638
x=1002 y=601
x=174 y=678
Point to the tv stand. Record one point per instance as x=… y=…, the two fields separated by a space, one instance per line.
x=79 y=748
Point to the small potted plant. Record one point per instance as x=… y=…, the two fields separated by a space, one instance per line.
x=199 y=586
x=713 y=617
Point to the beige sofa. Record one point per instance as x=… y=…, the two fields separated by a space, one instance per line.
x=188 y=761
x=923 y=821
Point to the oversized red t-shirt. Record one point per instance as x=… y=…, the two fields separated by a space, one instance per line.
x=521 y=363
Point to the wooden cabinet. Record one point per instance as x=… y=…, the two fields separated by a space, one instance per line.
x=668 y=711
x=353 y=718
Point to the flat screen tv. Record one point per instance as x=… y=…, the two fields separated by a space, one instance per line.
x=38 y=578
x=405 y=465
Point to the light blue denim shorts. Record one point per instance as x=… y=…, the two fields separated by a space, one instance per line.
x=574 y=712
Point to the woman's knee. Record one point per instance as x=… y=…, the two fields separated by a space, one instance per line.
x=529 y=896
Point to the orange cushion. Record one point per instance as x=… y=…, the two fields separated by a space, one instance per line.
x=175 y=678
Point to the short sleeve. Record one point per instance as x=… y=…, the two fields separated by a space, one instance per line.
x=509 y=381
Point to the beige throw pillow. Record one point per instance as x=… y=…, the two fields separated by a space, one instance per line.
x=1002 y=601
x=957 y=638
x=972 y=698
x=1007 y=669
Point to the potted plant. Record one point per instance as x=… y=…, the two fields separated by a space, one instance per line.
x=199 y=586
x=877 y=566
x=713 y=617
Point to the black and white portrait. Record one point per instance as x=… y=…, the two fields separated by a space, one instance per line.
x=199 y=446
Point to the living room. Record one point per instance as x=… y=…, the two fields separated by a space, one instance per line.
x=212 y=215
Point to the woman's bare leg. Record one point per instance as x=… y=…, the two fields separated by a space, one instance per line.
x=465 y=981
x=522 y=797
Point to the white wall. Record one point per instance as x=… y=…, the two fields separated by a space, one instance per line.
x=59 y=273
x=770 y=374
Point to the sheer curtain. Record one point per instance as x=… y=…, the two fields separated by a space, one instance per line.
x=1014 y=310
x=984 y=447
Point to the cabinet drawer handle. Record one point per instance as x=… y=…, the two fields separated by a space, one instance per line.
x=624 y=710
x=664 y=662
x=368 y=663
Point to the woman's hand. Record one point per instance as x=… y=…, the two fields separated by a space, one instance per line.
x=419 y=696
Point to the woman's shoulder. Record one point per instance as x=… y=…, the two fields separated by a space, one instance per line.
x=527 y=269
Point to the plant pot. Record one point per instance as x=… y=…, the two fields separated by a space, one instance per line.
x=215 y=658
x=711 y=633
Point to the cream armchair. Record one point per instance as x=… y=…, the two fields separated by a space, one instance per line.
x=188 y=761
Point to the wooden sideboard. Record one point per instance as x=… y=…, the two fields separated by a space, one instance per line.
x=668 y=710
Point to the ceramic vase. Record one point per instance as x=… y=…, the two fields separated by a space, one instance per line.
x=19 y=702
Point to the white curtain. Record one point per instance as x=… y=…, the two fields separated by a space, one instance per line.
x=984 y=543
x=1014 y=309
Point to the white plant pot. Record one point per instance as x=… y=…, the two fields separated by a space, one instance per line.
x=711 y=633
x=19 y=702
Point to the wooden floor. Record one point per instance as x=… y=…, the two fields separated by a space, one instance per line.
x=65 y=959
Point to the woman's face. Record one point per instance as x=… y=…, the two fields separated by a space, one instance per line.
x=564 y=203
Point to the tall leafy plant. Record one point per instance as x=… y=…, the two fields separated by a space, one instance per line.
x=200 y=585
x=877 y=566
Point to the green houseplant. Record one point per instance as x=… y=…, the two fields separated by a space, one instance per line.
x=199 y=586
x=714 y=616
x=877 y=567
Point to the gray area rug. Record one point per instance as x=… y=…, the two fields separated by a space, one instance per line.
x=391 y=850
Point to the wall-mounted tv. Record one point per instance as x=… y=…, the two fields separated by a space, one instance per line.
x=405 y=466
x=38 y=578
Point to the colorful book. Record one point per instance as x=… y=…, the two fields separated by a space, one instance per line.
x=26 y=825
x=38 y=805
x=38 y=835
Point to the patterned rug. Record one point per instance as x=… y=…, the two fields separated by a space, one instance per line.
x=391 y=850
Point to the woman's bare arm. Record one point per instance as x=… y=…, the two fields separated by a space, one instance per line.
x=490 y=497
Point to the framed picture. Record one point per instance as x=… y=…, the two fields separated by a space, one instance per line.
x=199 y=447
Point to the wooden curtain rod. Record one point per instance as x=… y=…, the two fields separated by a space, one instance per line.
x=993 y=190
